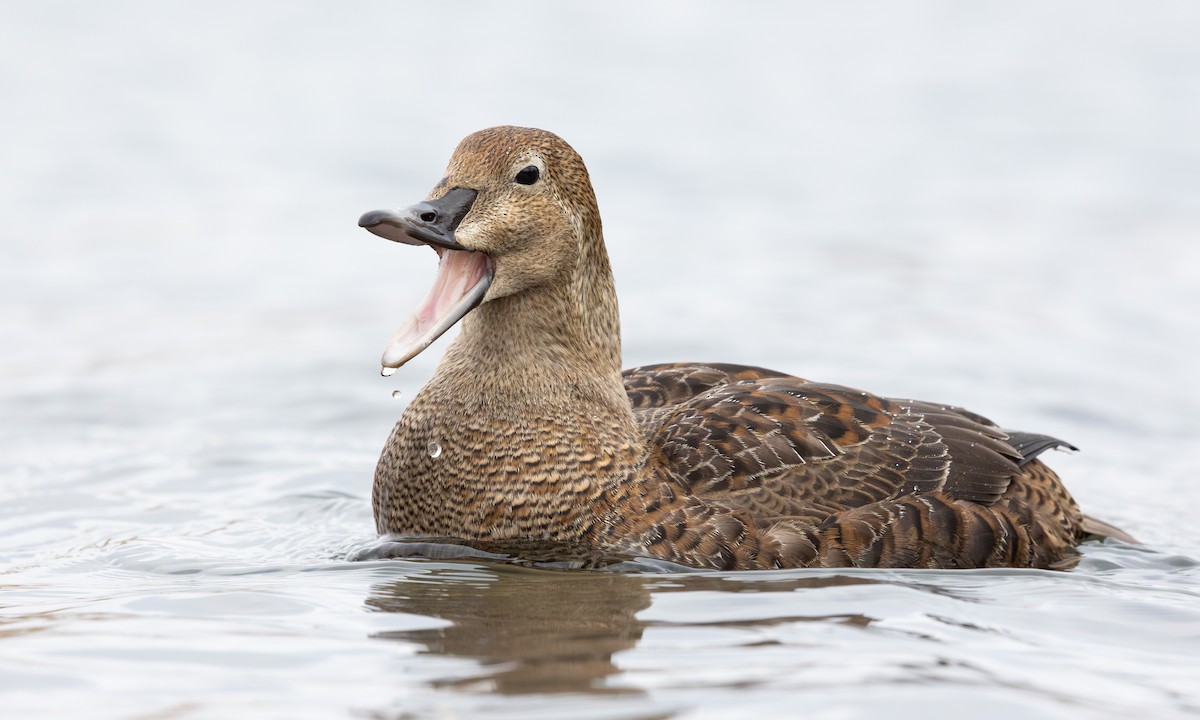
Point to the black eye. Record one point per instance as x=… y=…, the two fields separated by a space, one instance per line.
x=528 y=175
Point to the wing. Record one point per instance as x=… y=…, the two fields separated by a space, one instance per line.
x=664 y=386
x=782 y=446
x=753 y=468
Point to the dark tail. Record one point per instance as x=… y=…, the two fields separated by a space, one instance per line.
x=1030 y=445
x=1101 y=529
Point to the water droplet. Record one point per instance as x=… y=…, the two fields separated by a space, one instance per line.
x=434 y=449
x=387 y=371
x=396 y=394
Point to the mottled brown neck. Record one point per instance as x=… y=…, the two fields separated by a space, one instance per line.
x=548 y=342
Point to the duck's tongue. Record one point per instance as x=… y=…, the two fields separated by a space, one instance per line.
x=462 y=280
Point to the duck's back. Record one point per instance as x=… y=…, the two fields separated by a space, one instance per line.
x=752 y=468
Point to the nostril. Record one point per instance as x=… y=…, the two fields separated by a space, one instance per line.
x=428 y=217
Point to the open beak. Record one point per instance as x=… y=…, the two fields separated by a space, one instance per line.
x=463 y=276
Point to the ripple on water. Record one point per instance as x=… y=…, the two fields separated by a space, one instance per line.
x=1030 y=640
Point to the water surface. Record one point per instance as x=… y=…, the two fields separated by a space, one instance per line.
x=993 y=205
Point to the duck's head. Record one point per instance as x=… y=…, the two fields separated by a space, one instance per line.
x=508 y=217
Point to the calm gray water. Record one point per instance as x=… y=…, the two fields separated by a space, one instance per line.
x=991 y=204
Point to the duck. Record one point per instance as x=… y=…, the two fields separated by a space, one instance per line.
x=530 y=434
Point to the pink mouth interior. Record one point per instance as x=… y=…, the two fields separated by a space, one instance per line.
x=462 y=278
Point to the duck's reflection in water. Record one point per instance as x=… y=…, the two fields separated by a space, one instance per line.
x=534 y=631
x=548 y=631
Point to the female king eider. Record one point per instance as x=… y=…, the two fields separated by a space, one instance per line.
x=529 y=434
